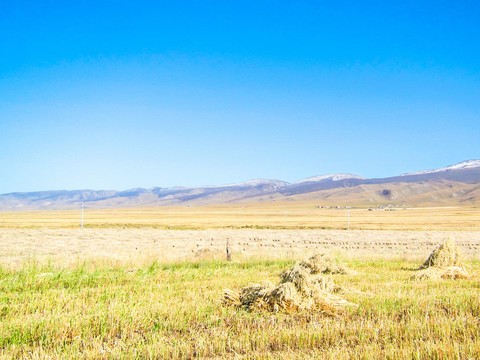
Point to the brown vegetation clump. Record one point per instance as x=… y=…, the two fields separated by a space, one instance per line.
x=443 y=263
x=301 y=287
x=444 y=255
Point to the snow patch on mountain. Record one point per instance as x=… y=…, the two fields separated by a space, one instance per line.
x=460 y=166
x=330 y=177
x=252 y=183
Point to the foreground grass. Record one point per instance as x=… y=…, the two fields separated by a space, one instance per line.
x=173 y=311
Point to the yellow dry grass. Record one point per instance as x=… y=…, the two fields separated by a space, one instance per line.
x=171 y=311
x=132 y=244
x=278 y=215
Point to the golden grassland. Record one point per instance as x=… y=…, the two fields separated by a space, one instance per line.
x=70 y=245
x=173 y=311
x=109 y=291
x=285 y=215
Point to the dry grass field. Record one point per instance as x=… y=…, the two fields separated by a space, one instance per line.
x=148 y=284
x=140 y=246
x=268 y=215
x=96 y=310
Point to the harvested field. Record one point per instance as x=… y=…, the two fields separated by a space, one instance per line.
x=148 y=293
x=282 y=215
x=134 y=245
x=172 y=311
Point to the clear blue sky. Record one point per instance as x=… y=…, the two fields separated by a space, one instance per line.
x=122 y=94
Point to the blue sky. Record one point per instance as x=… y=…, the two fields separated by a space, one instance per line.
x=122 y=94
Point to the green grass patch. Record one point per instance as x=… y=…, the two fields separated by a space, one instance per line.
x=158 y=311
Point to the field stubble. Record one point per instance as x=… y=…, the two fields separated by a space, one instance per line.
x=69 y=246
x=269 y=216
x=160 y=311
x=125 y=292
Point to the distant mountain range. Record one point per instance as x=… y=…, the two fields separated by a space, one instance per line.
x=452 y=185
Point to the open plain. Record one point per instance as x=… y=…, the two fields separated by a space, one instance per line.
x=130 y=246
x=148 y=283
x=272 y=215
x=268 y=231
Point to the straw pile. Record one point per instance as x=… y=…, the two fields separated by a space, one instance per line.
x=444 y=255
x=440 y=273
x=301 y=287
x=322 y=263
x=443 y=263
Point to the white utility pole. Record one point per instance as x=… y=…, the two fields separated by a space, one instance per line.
x=81 y=222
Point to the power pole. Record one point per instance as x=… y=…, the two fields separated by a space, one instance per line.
x=229 y=251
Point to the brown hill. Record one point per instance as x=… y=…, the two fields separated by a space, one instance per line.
x=455 y=185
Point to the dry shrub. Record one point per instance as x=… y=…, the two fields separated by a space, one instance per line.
x=440 y=273
x=301 y=287
x=443 y=256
